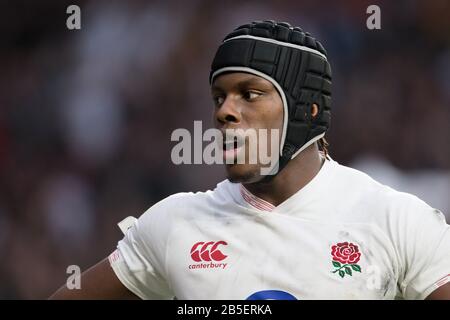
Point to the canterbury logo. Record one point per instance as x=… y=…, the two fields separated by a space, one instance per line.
x=207 y=251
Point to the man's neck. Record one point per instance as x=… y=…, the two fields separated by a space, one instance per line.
x=297 y=174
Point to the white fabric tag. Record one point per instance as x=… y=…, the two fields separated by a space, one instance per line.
x=126 y=223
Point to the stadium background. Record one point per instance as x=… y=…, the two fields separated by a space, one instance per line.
x=86 y=116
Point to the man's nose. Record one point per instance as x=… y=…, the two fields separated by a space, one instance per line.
x=228 y=112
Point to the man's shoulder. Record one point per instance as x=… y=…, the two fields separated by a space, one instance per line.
x=195 y=204
x=222 y=190
x=379 y=200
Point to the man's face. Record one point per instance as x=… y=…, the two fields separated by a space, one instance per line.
x=245 y=101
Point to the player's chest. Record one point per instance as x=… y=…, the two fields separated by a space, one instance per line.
x=280 y=259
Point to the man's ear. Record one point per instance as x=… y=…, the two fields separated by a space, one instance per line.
x=314 y=110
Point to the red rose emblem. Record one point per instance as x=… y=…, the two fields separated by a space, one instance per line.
x=345 y=253
x=345 y=256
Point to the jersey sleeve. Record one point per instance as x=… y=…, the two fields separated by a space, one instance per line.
x=139 y=260
x=425 y=250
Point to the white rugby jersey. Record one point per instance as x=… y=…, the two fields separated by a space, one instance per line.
x=342 y=236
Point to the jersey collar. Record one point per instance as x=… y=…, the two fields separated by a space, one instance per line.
x=296 y=201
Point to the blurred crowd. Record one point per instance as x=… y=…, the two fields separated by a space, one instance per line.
x=86 y=115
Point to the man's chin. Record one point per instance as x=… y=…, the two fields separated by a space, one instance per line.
x=239 y=173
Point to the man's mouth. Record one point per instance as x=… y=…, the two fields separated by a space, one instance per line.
x=232 y=148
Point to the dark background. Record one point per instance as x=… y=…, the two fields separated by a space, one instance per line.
x=86 y=115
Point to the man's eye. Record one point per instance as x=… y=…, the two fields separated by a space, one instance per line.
x=218 y=100
x=250 y=95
